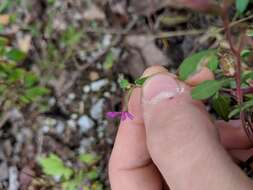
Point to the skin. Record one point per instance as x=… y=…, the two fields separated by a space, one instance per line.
x=174 y=142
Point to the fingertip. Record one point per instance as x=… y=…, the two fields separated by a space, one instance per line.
x=203 y=75
x=154 y=70
x=134 y=105
x=232 y=135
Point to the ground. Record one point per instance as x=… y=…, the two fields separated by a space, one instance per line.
x=80 y=49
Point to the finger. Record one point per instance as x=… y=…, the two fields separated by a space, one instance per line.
x=241 y=155
x=201 y=76
x=130 y=164
x=232 y=135
x=183 y=141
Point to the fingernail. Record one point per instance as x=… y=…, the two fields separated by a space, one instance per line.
x=160 y=87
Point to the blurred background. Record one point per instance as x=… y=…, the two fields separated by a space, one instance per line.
x=60 y=63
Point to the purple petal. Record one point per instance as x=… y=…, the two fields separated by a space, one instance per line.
x=113 y=114
x=123 y=116
x=129 y=115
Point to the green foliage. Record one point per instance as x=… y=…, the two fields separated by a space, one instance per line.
x=72 y=179
x=237 y=109
x=241 y=5
x=191 y=64
x=88 y=158
x=206 y=89
x=124 y=84
x=221 y=105
x=250 y=33
x=71 y=36
x=54 y=166
x=140 y=81
x=109 y=61
x=5 y=4
x=15 y=55
x=74 y=183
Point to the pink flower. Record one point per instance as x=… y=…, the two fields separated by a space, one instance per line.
x=123 y=115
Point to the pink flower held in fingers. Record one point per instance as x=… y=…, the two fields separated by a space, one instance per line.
x=123 y=115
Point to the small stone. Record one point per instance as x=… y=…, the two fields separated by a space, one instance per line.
x=85 y=123
x=107 y=94
x=51 y=101
x=13 y=178
x=93 y=76
x=3 y=171
x=71 y=123
x=107 y=40
x=97 y=85
x=86 y=89
x=97 y=109
x=71 y=96
x=45 y=129
x=50 y=121
x=74 y=116
x=60 y=127
x=85 y=144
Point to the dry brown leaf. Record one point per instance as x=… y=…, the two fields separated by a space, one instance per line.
x=143 y=53
x=94 y=13
x=4 y=19
x=149 y=51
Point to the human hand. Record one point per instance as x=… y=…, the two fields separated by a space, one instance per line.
x=173 y=139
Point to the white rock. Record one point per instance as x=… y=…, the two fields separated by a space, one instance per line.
x=13 y=178
x=74 y=116
x=86 y=89
x=71 y=123
x=107 y=94
x=3 y=171
x=60 y=127
x=71 y=96
x=97 y=85
x=107 y=40
x=85 y=123
x=97 y=109
x=45 y=129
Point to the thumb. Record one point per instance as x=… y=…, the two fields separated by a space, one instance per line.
x=183 y=141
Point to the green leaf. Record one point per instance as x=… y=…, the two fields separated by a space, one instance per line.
x=237 y=110
x=245 y=53
x=234 y=112
x=221 y=105
x=249 y=32
x=241 y=5
x=74 y=183
x=24 y=99
x=30 y=79
x=213 y=62
x=109 y=61
x=97 y=186
x=36 y=92
x=140 y=81
x=3 y=87
x=3 y=41
x=92 y=175
x=88 y=158
x=124 y=84
x=16 y=74
x=71 y=36
x=15 y=55
x=5 y=5
x=191 y=64
x=206 y=89
x=54 y=166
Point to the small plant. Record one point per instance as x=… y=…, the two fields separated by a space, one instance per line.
x=18 y=87
x=84 y=177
